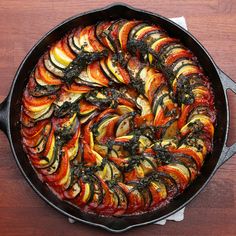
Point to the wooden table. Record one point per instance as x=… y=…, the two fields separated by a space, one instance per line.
x=22 y=23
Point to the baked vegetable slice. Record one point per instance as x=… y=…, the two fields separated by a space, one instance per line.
x=118 y=117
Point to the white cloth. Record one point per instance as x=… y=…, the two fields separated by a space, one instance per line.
x=180 y=21
x=178 y=216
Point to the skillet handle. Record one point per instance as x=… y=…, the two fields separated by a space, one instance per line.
x=4 y=112
x=228 y=83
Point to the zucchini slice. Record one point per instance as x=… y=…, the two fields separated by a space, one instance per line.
x=123 y=109
x=124 y=125
x=51 y=169
x=102 y=31
x=117 y=70
x=54 y=69
x=122 y=203
x=144 y=104
x=73 y=41
x=107 y=72
x=124 y=31
x=113 y=34
x=85 y=79
x=96 y=74
x=143 y=31
x=73 y=191
x=158 y=192
x=102 y=127
x=67 y=97
x=135 y=29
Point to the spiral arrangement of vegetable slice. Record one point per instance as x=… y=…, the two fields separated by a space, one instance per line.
x=118 y=117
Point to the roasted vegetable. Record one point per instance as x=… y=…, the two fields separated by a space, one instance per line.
x=118 y=117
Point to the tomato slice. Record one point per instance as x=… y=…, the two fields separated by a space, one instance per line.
x=75 y=88
x=118 y=160
x=124 y=33
x=42 y=75
x=95 y=71
x=156 y=198
x=131 y=175
x=143 y=31
x=141 y=120
x=75 y=137
x=87 y=132
x=190 y=152
x=64 y=165
x=66 y=48
x=124 y=74
x=30 y=132
x=85 y=193
x=186 y=109
x=101 y=28
x=107 y=205
x=126 y=102
x=178 y=176
x=175 y=56
x=90 y=157
x=86 y=107
x=135 y=199
x=102 y=114
x=29 y=100
x=157 y=81
x=162 y=43
x=110 y=130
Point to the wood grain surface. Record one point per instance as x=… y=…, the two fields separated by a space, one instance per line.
x=22 y=23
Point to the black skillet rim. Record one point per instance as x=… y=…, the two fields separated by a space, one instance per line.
x=9 y=122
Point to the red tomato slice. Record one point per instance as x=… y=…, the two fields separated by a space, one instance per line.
x=75 y=88
x=100 y=29
x=175 y=56
x=156 y=198
x=41 y=73
x=107 y=111
x=86 y=131
x=29 y=100
x=124 y=33
x=141 y=120
x=65 y=47
x=97 y=74
x=79 y=200
x=61 y=172
x=146 y=31
x=89 y=157
x=49 y=142
x=181 y=180
x=110 y=130
x=73 y=140
x=186 y=109
x=30 y=132
x=162 y=43
x=86 y=107
x=124 y=101
x=107 y=205
x=131 y=175
x=190 y=153
x=124 y=73
x=118 y=160
x=93 y=40
x=135 y=199
x=156 y=83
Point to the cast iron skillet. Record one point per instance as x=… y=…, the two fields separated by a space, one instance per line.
x=10 y=116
